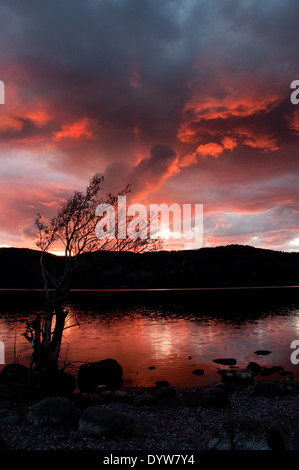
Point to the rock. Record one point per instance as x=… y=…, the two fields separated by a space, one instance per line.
x=54 y=411
x=10 y=420
x=265 y=371
x=116 y=396
x=268 y=389
x=247 y=434
x=11 y=391
x=162 y=383
x=226 y=376
x=262 y=352
x=145 y=400
x=226 y=361
x=102 y=422
x=16 y=376
x=198 y=372
x=59 y=383
x=243 y=377
x=276 y=369
x=65 y=383
x=236 y=377
x=224 y=386
x=165 y=395
x=207 y=397
x=270 y=370
x=254 y=367
x=286 y=372
x=106 y=372
x=86 y=400
x=14 y=373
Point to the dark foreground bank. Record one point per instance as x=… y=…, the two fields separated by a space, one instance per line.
x=259 y=416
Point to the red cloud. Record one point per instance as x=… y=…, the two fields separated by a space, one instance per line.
x=80 y=130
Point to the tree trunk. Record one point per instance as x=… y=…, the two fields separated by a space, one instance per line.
x=46 y=352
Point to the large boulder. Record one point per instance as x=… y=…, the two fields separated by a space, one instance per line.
x=16 y=383
x=57 y=383
x=99 y=421
x=55 y=412
x=95 y=374
x=14 y=373
x=247 y=434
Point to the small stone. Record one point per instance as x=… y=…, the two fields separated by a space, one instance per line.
x=262 y=352
x=226 y=376
x=152 y=367
x=145 y=400
x=276 y=369
x=265 y=371
x=198 y=372
x=116 y=396
x=243 y=377
x=226 y=361
x=162 y=383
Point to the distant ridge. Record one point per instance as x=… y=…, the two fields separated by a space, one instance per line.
x=224 y=266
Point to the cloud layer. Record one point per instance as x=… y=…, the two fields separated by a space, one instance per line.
x=187 y=101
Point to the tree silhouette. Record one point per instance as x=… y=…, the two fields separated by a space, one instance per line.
x=74 y=227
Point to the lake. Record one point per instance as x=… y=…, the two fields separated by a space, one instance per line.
x=175 y=331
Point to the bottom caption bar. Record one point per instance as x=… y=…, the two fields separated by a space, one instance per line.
x=141 y=459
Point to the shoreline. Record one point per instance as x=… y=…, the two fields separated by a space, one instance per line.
x=164 y=418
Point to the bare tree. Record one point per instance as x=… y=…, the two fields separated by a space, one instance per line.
x=73 y=227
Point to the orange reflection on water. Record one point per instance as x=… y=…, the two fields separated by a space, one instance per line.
x=174 y=344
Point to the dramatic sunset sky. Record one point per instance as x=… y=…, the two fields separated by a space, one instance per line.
x=187 y=100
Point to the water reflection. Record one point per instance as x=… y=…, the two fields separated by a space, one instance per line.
x=173 y=335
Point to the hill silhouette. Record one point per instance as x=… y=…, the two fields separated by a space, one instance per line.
x=225 y=266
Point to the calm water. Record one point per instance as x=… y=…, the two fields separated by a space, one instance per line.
x=164 y=329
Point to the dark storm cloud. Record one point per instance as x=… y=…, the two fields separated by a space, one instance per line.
x=127 y=65
x=111 y=60
x=150 y=172
x=147 y=175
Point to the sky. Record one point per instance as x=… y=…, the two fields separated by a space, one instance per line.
x=188 y=101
